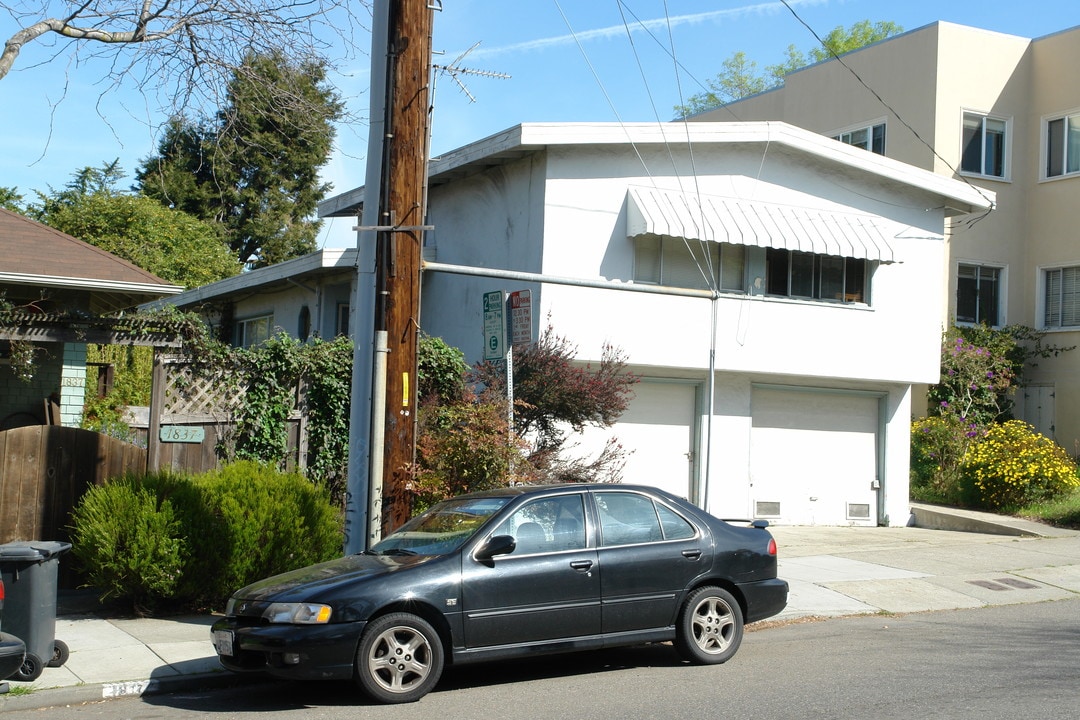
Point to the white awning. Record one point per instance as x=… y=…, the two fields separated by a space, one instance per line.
x=756 y=223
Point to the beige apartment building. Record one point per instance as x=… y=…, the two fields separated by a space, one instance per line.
x=1003 y=113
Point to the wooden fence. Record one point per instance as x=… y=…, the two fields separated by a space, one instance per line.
x=45 y=469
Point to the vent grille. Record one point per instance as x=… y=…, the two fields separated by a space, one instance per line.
x=858 y=511
x=766 y=509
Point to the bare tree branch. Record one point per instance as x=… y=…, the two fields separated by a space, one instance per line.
x=182 y=53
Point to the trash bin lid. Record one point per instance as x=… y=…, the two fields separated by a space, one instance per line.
x=32 y=550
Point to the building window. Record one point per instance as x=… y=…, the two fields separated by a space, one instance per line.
x=978 y=294
x=983 y=145
x=790 y=273
x=1061 y=303
x=695 y=264
x=871 y=137
x=253 y=331
x=1063 y=145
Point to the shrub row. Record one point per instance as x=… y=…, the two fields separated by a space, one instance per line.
x=1004 y=467
x=181 y=541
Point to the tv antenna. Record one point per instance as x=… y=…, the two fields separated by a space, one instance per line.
x=455 y=71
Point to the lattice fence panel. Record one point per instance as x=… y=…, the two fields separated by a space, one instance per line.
x=197 y=394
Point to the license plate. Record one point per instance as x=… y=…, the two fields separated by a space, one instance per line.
x=223 y=641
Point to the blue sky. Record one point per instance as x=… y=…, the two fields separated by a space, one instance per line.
x=569 y=60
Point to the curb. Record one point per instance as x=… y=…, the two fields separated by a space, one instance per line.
x=83 y=694
x=933 y=517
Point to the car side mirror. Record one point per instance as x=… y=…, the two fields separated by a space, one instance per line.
x=496 y=545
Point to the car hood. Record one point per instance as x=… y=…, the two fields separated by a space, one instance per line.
x=299 y=585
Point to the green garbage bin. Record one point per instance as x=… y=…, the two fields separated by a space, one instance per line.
x=29 y=571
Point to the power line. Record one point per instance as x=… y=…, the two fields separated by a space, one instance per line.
x=888 y=107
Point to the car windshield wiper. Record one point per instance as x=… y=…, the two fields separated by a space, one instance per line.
x=398 y=551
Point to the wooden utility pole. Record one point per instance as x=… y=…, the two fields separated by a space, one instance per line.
x=398 y=251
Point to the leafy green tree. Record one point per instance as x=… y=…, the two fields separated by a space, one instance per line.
x=740 y=78
x=441 y=371
x=254 y=168
x=171 y=244
x=860 y=34
x=10 y=199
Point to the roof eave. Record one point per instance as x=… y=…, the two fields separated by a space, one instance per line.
x=74 y=283
x=958 y=197
x=289 y=270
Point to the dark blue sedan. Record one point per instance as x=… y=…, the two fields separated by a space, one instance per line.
x=507 y=573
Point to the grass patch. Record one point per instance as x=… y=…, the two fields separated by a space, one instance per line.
x=1062 y=512
x=18 y=690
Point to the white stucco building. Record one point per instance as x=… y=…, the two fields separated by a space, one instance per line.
x=777 y=292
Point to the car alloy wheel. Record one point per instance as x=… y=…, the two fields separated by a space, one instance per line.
x=400 y=658
x=710 y=627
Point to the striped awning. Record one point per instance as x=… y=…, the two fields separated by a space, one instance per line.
x=761 y=224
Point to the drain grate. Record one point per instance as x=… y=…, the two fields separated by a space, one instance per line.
x=1003 y=584
x=989 y=584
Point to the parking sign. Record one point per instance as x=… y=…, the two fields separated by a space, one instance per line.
x=494 y=326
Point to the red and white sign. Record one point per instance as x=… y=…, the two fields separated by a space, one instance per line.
x=521 y=317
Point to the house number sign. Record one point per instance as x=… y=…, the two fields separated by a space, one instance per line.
x=182 y=434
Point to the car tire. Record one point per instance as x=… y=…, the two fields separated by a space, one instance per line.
x=60 y=655
x=710 y=627
x=400 y=658
x=31 y=668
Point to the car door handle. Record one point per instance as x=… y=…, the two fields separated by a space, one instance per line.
x=581 y=564
x=691 y=554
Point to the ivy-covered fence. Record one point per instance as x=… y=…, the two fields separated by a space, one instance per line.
x=284 y=403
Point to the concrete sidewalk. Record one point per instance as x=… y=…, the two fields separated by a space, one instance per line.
x=832 y=572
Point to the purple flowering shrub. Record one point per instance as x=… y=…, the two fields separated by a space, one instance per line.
x=981 y=369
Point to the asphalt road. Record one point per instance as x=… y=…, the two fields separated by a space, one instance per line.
x=998 y=662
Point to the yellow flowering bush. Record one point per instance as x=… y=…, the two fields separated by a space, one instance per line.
x=1012 y=466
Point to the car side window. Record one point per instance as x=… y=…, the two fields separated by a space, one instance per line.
x=547 y=525
x=627 y=518
x=675 y=526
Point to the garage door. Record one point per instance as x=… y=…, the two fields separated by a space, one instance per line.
x=657 y=430
x=814 y=457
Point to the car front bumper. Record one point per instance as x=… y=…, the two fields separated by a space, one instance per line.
x=764 y=598
x=298 y=652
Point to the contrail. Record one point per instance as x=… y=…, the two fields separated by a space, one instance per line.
x=640 y=26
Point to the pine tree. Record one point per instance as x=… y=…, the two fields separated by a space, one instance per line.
x=254 y=168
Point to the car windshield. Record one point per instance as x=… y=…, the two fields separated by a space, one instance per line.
x=442 y=529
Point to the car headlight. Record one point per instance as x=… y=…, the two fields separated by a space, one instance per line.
x=298 y=613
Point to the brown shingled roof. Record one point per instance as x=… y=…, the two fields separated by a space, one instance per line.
x=35 y=250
